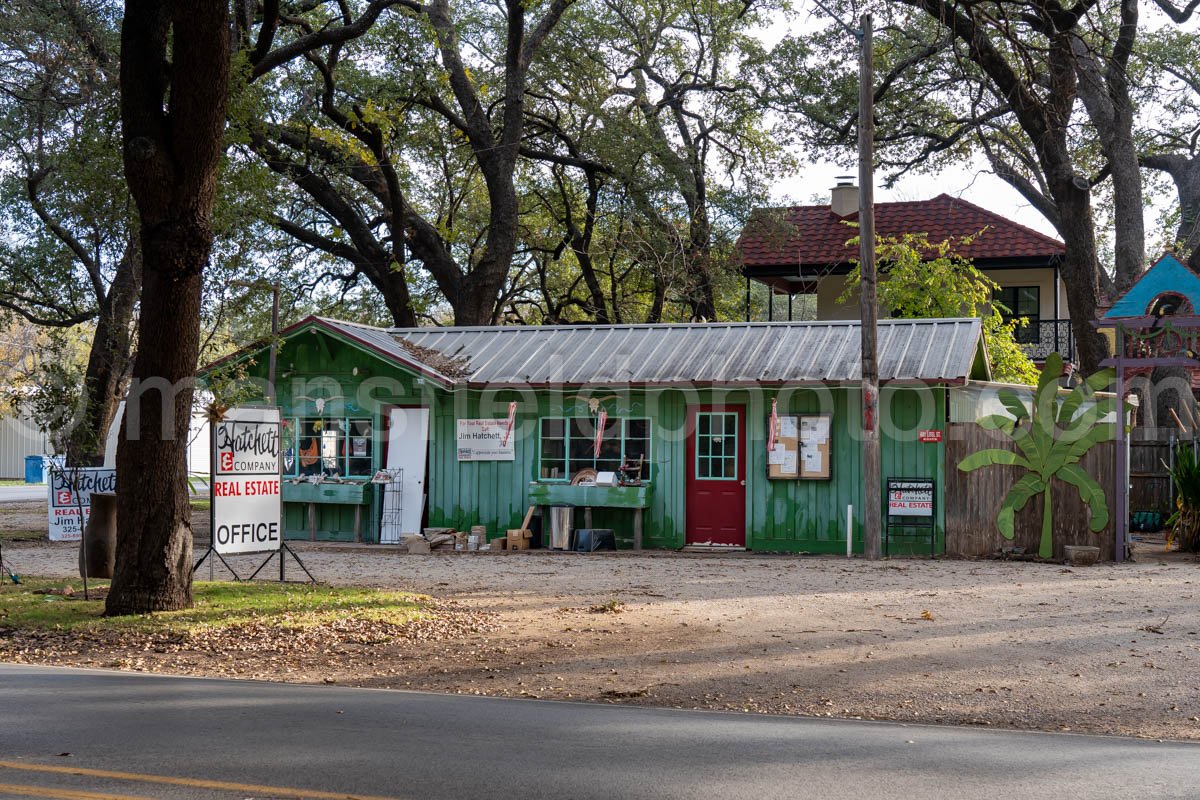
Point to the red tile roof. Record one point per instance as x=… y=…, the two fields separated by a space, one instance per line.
x=814 y=236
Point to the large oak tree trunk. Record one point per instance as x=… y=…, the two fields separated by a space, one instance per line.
x=107 y=372
x=174 y=88
x=1080 y=274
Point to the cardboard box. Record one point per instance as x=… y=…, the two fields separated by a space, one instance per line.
x=418 y=546
x=520 y=533
x=499 y=544
x=518 y=544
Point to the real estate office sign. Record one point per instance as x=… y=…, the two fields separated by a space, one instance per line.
x=246 y=501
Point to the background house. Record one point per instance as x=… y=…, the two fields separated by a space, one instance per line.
x=801 y=250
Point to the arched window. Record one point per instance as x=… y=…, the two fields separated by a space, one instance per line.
x=1169 y=304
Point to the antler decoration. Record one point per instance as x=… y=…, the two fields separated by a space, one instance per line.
x=594 y=402
x=320 y=402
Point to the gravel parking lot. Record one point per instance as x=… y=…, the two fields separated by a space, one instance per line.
x=1112 y=649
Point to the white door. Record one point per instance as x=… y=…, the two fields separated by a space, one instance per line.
x=404 y=497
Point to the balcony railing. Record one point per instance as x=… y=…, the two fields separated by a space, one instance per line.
x=1043 y=337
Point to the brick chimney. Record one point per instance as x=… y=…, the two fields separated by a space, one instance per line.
x=844 y=197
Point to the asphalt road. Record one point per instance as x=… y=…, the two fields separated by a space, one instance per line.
x=92 y=735
x=24 y=493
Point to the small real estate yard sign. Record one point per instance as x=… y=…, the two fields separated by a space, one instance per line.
x=70 y=501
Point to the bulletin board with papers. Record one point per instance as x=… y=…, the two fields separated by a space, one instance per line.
x=783 y=460
x=802 y=448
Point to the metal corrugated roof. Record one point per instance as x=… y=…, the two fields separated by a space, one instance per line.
x=925 y=350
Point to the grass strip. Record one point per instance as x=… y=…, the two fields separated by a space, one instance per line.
x=216 y=605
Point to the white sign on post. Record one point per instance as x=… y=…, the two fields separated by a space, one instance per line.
x=485 y=440
x=246 y=501
x=69 y=509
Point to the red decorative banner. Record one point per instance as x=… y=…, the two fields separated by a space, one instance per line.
x=512 y=417
x=601 y=423
x=773 y=424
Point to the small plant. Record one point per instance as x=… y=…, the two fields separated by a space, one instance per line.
x=1184 y=524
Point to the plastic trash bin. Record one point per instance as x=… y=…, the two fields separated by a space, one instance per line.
x=34 y=472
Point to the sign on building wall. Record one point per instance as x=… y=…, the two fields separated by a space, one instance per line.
x=246 y=502
x=485 y=440
x=910 y=498
x=71 y=499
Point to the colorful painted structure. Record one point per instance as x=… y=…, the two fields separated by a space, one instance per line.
x=1153 y=324
x=692 y=401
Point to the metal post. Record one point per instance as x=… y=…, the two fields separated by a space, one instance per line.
x=770 y=304
x=872 y=513
x=1171 y=470
x=747 y=298
x=1058 y=319
x=791 y=299
x=1122 y=487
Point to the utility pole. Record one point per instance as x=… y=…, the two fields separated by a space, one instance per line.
x=271 y=392
x=872 y=497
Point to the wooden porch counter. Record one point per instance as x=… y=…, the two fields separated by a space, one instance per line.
x=636 y=498
x=357 y=494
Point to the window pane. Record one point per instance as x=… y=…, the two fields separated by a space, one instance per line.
x=702 y=424
x=318 y=446
x=581 y=448
x=608 y=465
x=578 y=464
x=289 y=446
x=554 y=458
x=1028 y=301
x=359 y=463
x=610 y=450
x=637 y=429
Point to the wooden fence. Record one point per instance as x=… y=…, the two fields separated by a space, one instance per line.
x=1149 y=455
x=973 y=499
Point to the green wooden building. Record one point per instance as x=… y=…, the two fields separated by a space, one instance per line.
x=731 y=435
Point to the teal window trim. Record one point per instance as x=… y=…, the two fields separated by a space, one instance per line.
x=345 y=436
x=625 y=438
x=737 y=446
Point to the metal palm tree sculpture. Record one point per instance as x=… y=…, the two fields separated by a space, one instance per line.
x=1050 y=442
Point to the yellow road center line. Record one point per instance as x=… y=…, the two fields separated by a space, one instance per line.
x=195 y=783
x=22 y=790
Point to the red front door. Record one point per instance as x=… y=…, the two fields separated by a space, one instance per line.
x=716 y=477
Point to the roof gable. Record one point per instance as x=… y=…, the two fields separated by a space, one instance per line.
x=374 y=341
x=815 y=236
x=1167 y=275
